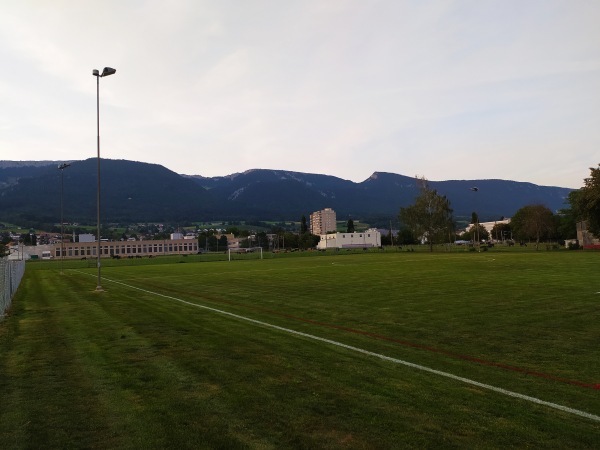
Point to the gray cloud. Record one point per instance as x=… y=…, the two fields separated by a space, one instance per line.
x=445 y=89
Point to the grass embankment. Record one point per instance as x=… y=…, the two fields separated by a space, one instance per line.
x=130 y=369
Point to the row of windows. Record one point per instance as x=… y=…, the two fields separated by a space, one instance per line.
x=334 y=236
x=130 y=249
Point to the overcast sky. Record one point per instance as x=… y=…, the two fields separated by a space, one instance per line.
x=448 y=89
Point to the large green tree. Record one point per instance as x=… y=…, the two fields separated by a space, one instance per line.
x=290 y=240
x=29 y=239
x=405 y=237
x=430 y=217
x=586 y=201
x=566 y=224
x=502 y=231
x=478 y=233
x=350 y=227
x=308 y=240
x=303 y=225
x=533 y=222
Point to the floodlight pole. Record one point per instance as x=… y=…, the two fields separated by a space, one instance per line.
x=62 y=168
x=476 y=232
x=105 y=72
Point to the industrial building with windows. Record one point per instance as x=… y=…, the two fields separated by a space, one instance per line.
x=124 y=249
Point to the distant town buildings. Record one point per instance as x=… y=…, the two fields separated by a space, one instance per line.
x=323 y=222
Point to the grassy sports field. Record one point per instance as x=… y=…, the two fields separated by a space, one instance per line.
x=335 y=351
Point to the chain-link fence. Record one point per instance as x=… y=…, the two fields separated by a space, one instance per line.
x=11 y=273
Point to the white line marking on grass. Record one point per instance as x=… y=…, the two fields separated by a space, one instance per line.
x=489 y=387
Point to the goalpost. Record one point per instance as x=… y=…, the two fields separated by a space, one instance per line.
x=244 y=253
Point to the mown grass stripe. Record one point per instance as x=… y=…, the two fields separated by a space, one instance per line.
x=425 y=347
x=377 y=355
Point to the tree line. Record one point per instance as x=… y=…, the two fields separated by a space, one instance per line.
x=429 y=219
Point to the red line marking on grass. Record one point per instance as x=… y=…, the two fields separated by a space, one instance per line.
x=457 y=355
x=426 y=347
x=409 y=344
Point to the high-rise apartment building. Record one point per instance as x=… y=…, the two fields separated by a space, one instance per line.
x=322 y=221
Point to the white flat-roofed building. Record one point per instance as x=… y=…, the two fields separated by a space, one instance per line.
x=364 y=239
x=489 y=226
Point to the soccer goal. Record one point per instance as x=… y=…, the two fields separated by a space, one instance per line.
x=244 y=253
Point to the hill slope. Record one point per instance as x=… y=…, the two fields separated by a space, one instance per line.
x=140 y=192
x=131 y=191
x=282 y=192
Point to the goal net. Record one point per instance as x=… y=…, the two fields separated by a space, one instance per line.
x=244 y=253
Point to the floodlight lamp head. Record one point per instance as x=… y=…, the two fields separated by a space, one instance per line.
x=96 y=73
x=108 y=71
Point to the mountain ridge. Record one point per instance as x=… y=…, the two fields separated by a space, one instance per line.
x=42 y=163
x=138 y=191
